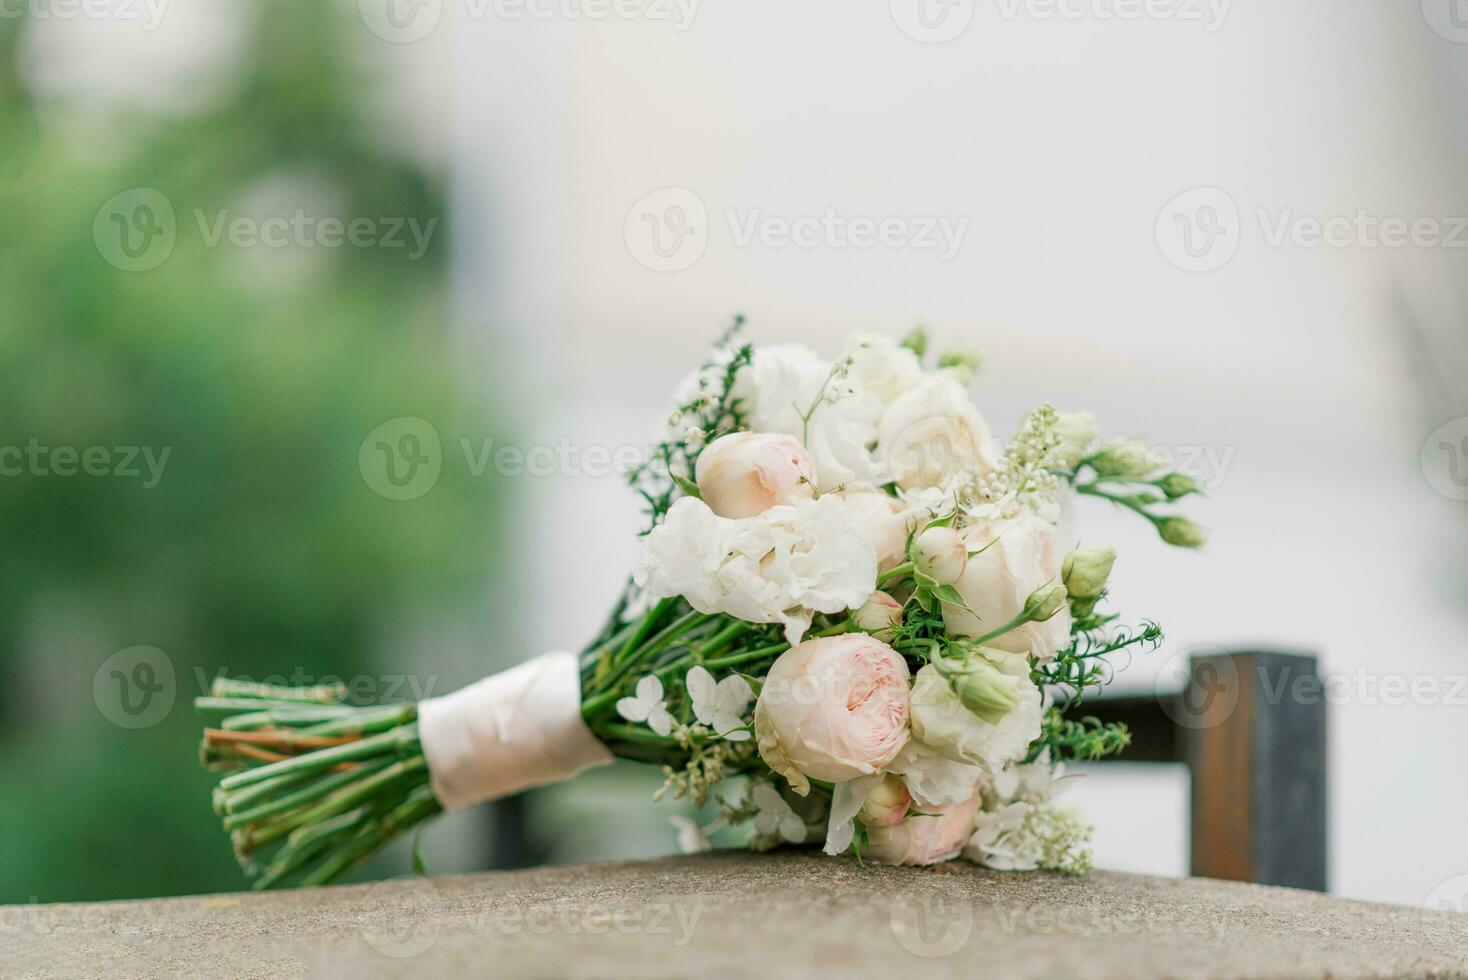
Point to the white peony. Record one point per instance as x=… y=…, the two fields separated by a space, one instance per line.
x=1018 y=556
x=934 y=779
x=783 y=566
x=931 y=433
x=783 y=382
x=940 y=721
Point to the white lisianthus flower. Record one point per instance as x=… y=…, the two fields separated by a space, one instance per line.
x=884 y=367
x=942 y=722
x=743 y=474
x=931 y=433
x=834 y=709
x=932 y=778
x=885 y=523
x=1016 y=557
x=784 y=382
x=783 y=566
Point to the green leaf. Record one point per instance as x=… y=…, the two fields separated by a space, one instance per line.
x=951 y=595
x=688 y=487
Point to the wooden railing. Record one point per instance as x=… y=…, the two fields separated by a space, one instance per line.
x=1251 y=728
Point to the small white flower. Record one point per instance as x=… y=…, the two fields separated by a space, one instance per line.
x=692 y=839
x=648 y=705
x=720 y=705
x=775 y=815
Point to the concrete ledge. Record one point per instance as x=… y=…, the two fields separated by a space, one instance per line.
x=739 y=914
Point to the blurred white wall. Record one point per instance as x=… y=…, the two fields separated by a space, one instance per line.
x=1059 y=142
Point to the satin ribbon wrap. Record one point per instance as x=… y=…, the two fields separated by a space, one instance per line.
x=511 y=731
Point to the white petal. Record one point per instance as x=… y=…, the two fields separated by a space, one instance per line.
x=660 y=721
x=738 y=735
x=650 y=689
x=767 y=798
x=702 y=691
x=792 y=828
x=846 y=800
x=632 y=709
x=734 y=694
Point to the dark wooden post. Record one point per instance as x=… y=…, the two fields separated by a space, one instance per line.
x=1253 y=733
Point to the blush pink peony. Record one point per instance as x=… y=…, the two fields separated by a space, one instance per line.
x=833 y=709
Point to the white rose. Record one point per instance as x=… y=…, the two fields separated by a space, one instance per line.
x=932 y=432
x=884 y=367
x=782 y=566
x=941 y=722
x=785 y=381
x=1018 y=557
x=746 y=473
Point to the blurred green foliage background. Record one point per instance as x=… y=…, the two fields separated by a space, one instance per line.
x=261 y=550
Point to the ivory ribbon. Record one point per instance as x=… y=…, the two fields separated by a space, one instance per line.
x=508 y=732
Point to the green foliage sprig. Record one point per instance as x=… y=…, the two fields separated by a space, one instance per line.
x=713 y=411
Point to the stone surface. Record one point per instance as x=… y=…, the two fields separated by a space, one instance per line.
x=735 y=914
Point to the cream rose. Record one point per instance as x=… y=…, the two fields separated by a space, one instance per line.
x=833 y=709
x=931 y=433
x=1018 y=556
x=925 y=836
x=942 y=722
x=744 y=474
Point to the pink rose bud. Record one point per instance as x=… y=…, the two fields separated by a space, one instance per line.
x=940 y=554
x=928 y=835
x=879 y=616
x=746 y=473
x=887 y=804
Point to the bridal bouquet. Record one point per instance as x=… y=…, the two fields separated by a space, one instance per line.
x=857 y=620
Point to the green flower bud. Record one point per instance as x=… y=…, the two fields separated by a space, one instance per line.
x=1178 y=485
x=1077 y=431
x=916 y=341
x=1044 y=602
x=1181 y=532
x=984 y=689
x=1125 y=459
x=1085 y=571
